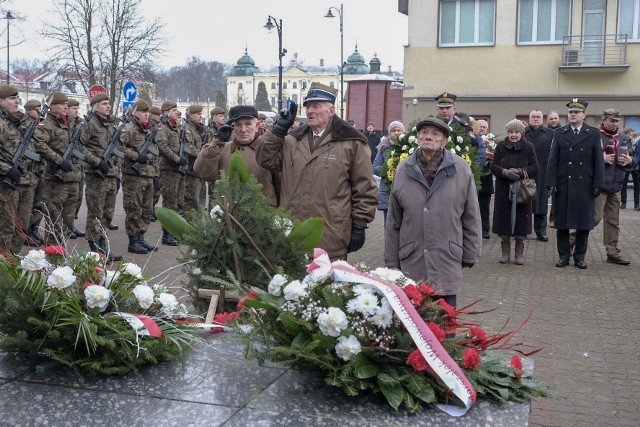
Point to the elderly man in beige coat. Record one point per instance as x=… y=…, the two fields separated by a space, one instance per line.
x=433 y=225
x=326 y=171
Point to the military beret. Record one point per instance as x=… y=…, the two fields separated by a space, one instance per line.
x=58 y=98
x=262 y=116
x=168 y=105
x=141 y=105
x=155 y=110
x=612 y=113
x=194 y=109
x=7 y=91
x=32 y=104
x=72 y=102
x=217 y=110
x=98 y=98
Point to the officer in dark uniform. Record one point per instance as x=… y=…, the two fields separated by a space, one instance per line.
x=575 y=177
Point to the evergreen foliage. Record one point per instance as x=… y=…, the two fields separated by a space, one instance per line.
x=221 y=100
x=262 y=98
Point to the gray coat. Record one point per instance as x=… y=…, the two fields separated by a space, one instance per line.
x=431 y=230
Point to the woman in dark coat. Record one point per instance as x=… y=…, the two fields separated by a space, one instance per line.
x=396 y=128
x=512 y=158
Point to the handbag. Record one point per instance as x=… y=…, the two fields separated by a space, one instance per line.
x=526 y=190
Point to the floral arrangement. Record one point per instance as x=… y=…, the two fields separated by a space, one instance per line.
x=336 y=320
x=459 y=143
x=490 y=142
x=85 y=316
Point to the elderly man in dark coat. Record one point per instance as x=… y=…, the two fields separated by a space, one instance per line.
x=575 y=177
x=541 y=138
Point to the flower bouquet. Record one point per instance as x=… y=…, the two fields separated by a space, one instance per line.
x=490 y=142
x=459 y=143
x=383 y=333
x=79 y=313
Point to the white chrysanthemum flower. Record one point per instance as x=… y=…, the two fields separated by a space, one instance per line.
x=365 y=303
x=405 y=147
x=401 y=137
x=168 y=301
x=348 y=347
x=320 y=274
x=458 y=148
x=453 y=151
x=133 y=270
x=383 y=316
x=61 y=277
x=411 y=150
x=196 y=271
x=92 y=256
x=97 y=296
x=332 y=322
x=412 y=139
x=362 y=288
x=216 y=212
x=36 y=259
x=459 y=139
x=111 y=276
x=490 y=136
x=295 y=290
x=144 y=294
x=388 y=274
x=276 y=284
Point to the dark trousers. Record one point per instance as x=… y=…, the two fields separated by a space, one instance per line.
x=636 y=188
x=484 y=201
x=564 y=245
x=540 y=224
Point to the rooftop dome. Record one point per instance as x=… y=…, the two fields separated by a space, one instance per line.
x=245 y=66
x=355 y=64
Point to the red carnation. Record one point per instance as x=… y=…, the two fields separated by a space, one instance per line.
x=226 y=318
x=516 y=364
x=437 y=331
x=99 y=269
x=417 y=362
x=427 y=290
x=252 y=295
x=448 y=309
x=470 y=358
x=241 y=305
x=413 y=293
x=55 y=250
x=87 y=284
x=479 y=334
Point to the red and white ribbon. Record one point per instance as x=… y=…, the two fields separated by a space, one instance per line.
x=446 y=369
x=142 y=324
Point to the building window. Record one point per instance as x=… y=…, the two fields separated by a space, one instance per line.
x=629 y=19
x=284 y=85
x=543 y=21
x=273 y=85
x=295 y=85
x=239 y=86
x=332 y=84
x=294 y=98
x=467 y=22
x=273 y=101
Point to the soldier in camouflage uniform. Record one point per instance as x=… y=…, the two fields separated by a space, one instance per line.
x=216 y=120
x=195 y=132
x=59 y=194
x=32 y=112
x=101 y=187
x=74 y=121
x=155 y=113
x=138 y=184
x=16 y=203
x=171 y=180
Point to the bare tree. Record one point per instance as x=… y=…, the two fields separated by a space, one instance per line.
x=26 y=70
x=103 y=42
x=196 y=81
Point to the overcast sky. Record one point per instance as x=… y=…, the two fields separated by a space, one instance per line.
x=219 y=30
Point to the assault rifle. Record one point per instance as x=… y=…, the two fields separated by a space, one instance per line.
x=112 y=150
x=147 y=147
x=183 y=145
x=22 y=151
x=71 y=150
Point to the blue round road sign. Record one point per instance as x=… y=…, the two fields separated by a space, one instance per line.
x=129 y=91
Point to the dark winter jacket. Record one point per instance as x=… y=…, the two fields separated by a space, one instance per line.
x=614 y=173
x=541 y=138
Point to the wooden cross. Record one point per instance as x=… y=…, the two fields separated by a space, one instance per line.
x=216 y=297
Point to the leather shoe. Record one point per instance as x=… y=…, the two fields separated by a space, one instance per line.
x=580 y=264
x=623 y=206
x=79 y=233
x=113 y=227
x=562 y=262
x=486 y=236
x=617 y=259
x=543 y=238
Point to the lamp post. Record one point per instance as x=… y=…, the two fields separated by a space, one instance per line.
x=331 y=15
x=8 y=17
x=273 y=22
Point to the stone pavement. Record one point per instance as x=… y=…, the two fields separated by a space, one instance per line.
x=586 y=322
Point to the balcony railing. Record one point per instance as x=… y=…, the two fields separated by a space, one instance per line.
x=598 y=51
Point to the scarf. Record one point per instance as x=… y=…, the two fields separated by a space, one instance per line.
x=611 y=135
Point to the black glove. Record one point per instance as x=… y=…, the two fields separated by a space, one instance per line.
x=287 y=117
x=550 y=191
x=224 y=133
x=182 y=161
x=357 y=237
x=14 y=175
x=511 y=174
x=156 y=183
x=467 y=264
x=103 y=166
x=596 y=192
x=66 y=166
x=142 y=158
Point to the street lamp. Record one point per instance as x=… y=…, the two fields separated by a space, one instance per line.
x=8 y=17
x=273 y=22
x=331 y=15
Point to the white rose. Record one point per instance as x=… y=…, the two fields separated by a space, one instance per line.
x=332 y=322
x=348 y=347
x=295 y=290
x=458 y=148
x=276 y=284
x=61 y=277
x=216 y=212
x=144 y=294
x=466 y=149
x=411 y=150
x=453 y=151
x=133 y=270
x=405 y=148
x=459 y=139
x=168 y=301
x=412 y=139
x=97 y=296
x=36 y=259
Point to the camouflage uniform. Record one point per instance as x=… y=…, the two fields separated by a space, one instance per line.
x=59 y=196
x=171 y=181
x=195 y=135
x=100 y=192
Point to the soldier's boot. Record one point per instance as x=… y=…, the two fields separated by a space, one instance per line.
x=111 y=256
x=33 y=234
x=135 y=246
x=144 y=244
x=94 y=247
x=506 y=249
x=519 y=251
x=168 y=239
